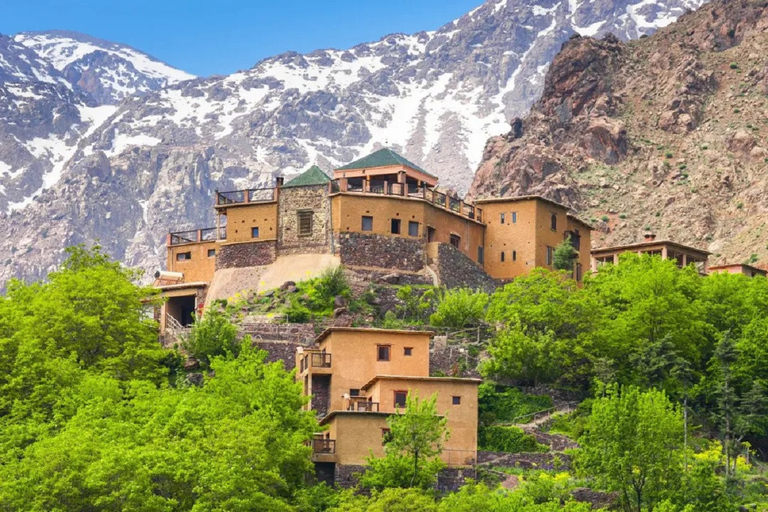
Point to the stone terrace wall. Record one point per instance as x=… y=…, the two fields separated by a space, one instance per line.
x=293 y=200
x=303 y=334
x=456 y=270
x=448 y=480
x=245 y=255
x=379 y=251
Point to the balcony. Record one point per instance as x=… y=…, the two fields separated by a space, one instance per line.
x=253 y=195
x=414 y=191
x=323 y=446
x=315 y=360
x=197 y=236
x=362 y=405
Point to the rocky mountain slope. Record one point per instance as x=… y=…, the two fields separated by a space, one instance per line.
x=435 y=96
x=667 y=134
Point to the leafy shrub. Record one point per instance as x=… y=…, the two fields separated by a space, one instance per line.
x=507 y=439
x=212 y=336
x=460 y=308
x=668 y=154
x=497 y=403
x=605 y=218
x=734 y=65
x=622 y=216
x=736 y=110
x=297 y=312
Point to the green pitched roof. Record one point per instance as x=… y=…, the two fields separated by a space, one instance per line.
x=312 y=176
x=382 y=158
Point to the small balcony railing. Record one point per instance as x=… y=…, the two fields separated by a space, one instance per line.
x=197 y=235
x=324 y=446
x=315 y=360
x=253 y=195
x=363 y=406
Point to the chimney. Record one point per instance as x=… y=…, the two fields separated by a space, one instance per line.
x=650 y=237
x=279 y=181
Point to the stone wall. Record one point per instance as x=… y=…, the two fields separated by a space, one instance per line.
x=245 y=255
x=448 y=480
x=284 y=351
x=379 y=251
x=525 y=460
x=321 y=393
x=293 y=200
x=456 y=270
x=303 y=334
x=448 y=361
x=347 y=475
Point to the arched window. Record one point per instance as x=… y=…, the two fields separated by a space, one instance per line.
x=553 y=222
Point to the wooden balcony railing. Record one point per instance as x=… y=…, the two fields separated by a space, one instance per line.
x=315 y=360
x=324 y=446
x=253 y=195
x=363 y=406
x=197 y=235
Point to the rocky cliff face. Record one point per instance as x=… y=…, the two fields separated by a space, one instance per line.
x=153 y=161
x=664 y=134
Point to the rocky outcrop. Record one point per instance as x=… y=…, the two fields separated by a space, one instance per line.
x=662 y=134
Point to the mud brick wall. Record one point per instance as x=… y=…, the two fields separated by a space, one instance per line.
x=296 y=199
x=364 y=250
x=245 y=255
x=456 y=270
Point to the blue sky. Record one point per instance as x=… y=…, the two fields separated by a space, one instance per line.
x=207 y=37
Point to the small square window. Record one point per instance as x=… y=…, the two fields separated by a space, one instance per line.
x=514 y=217
x=354 y=392
x=367 y=223
x=182 y=256
x=413 y=228
x=395 y=226
x=408 y=351
x=254 y=232
x=211 y=253
x=386 y=436
x=455 y=241
x=400 y=398
x=382 y=352
x=305 y=223
x=456 y=400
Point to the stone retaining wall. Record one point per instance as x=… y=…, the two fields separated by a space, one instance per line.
x=525 y=460
x=379 y=251
x=245 y=255
x=448 y=480
x=456 y=270
x=303 y=334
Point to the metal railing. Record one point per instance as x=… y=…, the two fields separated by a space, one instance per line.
x=253 y=195
x=197 y=235
x=324 y=446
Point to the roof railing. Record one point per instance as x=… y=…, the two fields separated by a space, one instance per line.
x=252 y=195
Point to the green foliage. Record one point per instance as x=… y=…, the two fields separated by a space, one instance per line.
x=507 y=439
x=565 y=255
x=734 y=65
x=416 y=440
x=413 y=307
x=213 y=335
x=633 y=444
x=460 y=308
x=500 y=404
x=668 y=154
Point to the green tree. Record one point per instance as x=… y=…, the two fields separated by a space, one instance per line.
x=412 y=452
x=213 y=335
x=632 y=444
x=565 y=256
x=460 y=308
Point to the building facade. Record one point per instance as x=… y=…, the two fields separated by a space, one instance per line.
x=684 y=255
x=357 y=378
x=381 y=212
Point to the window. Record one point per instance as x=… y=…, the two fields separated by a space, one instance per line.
x=553 y=222
x=305 y=223
x=514 y=255
x=354 y=392
x=183 y=256
x=211 y=253
x=502 y=256
x=550 y=255
x=386 y=436
x=400 y=397
x=395 y=227
x=407 y=351
x=456 y=400
x=254 y=232
x=455 y=241
x=514 y=217
x=480 y=255
x=578 y=273
x=382 y=352
x=502 y=218
x=413 y=228
x=367 y=223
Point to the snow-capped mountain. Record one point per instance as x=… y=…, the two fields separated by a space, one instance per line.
x=434 y=96
x=104 y=71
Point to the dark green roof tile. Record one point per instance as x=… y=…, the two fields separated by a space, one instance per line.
x=382 y=158
x=312 y=176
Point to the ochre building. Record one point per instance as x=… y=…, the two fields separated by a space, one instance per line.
x=357 y=378
x=382 y=213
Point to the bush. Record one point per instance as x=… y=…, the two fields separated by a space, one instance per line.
x=297 y=313
x=668 y=154
x=460 y=308
x=496 y=403
x=507 y=439
x=733 y=64
x=605 y=218
x=212 y=336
